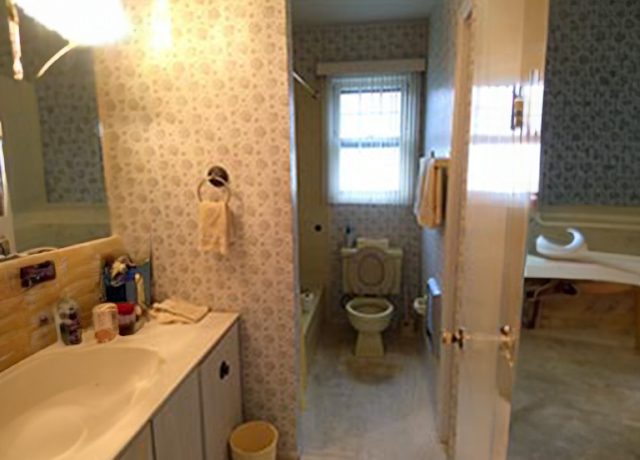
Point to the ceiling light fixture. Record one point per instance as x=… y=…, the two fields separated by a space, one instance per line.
x=81 y=22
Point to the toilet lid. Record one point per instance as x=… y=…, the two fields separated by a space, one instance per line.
x=372 y=273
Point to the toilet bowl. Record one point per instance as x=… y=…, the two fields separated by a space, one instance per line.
x=371 y=272
x=369 y=316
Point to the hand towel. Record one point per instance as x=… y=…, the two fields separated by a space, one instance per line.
x=178 y=311
x=429 y=202
x=215 y=223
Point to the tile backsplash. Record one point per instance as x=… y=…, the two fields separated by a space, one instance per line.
x=78 y=270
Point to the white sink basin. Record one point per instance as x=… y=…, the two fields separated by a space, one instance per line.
x=55 y=402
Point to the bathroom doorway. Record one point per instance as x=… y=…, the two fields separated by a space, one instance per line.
x=358 y=406
x=367 y=375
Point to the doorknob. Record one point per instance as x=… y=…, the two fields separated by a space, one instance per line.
x=507 y=339
x=508 y=343
x=458 y=338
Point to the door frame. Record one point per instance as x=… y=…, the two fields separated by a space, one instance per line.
x=493 y=229
x=456 y=190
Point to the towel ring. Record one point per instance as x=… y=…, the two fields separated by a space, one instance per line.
x=218 y=177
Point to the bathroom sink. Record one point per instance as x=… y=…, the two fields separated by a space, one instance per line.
x=67 y=397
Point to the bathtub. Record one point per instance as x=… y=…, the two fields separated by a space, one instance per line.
x=311 y=317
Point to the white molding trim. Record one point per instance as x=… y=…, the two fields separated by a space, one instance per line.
x=369 y=67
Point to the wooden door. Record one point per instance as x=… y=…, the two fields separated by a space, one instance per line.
x=504 y=39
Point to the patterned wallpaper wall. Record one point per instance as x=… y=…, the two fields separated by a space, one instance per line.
x=591 y=122
x=69 y=120
x=439 y=119
x=357 y=42
x=219 y=95
x=375 y=41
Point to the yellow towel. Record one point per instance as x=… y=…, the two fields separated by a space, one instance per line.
x=429 y=203
x=216 y=226
x=174 y=311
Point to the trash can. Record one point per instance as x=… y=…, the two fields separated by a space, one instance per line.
x=254 y=441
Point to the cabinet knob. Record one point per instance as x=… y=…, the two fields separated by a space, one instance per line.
x=225 y=370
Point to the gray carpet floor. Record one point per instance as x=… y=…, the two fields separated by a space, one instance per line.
x=575 y=399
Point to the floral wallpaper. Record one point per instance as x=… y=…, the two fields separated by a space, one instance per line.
x=439 y=116
x=358 y=42
x=220 y=94
x=69 y=120
x=377 y=41
x=591 y=127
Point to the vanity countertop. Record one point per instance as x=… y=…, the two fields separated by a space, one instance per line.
x=90 y=400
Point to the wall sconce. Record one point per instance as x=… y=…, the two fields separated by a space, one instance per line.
x=81 y=22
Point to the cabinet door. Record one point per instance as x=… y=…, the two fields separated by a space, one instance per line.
x=220 y=383
x=141 y=448
x=177 y=431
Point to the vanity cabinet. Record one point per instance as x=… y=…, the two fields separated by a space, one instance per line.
x=141 y=448
x=195 y=422
x=177 y=427
x=221 y=392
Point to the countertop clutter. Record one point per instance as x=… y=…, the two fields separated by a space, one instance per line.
x=91 y=400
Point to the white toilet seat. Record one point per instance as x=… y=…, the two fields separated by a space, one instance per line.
x=372 y=272
x=370 y=307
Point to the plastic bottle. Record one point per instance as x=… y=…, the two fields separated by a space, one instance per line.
x=68 y=325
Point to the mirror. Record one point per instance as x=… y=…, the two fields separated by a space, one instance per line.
x=52 y=145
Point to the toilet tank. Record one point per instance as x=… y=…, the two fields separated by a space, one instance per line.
x=371 y=270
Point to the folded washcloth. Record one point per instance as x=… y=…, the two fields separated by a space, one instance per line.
x=216 y=226
x=178 y=311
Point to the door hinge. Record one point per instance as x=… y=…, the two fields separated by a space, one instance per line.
x=454 y=338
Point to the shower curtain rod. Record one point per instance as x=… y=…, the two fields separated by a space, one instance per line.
x=305 y=85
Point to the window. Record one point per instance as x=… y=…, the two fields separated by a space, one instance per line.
x=372 y=145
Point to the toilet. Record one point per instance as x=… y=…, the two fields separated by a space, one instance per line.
x=371 y=272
